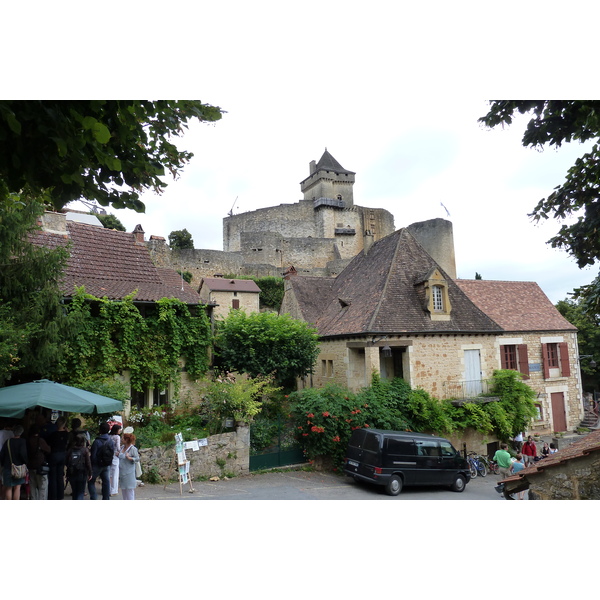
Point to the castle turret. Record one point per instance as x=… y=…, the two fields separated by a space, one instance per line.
x=329 y=183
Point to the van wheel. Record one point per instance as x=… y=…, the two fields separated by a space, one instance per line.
x=460 y=483
x=394 y=486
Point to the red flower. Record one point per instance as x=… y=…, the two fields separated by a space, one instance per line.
x=317 y=429
x=305 y=434
x=310 y=415
x=336 y=438
x=366 y=424
x=326 y=414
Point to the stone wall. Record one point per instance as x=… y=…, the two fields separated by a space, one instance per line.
x=576 y=479
x=226 y=454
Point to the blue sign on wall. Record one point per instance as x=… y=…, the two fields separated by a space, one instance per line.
x=535 y=367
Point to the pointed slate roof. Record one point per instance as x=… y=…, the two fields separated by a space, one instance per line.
x=310 y=294
x=111 y=264
x=515 y=305
x=380 y=293
x=328 y=163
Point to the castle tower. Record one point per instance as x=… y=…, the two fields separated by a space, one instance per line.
x=328 y=180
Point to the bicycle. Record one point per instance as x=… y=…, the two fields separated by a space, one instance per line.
x=476 y=465
x=491 y=465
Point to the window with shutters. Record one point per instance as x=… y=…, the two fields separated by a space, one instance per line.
x=515 y=358
x=555 y=358
x=235 y=303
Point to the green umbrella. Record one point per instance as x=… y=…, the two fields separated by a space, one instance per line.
x=16 y=399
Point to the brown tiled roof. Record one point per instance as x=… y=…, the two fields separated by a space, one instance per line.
x=111 y=264
x=310 y=293
x=515 y=305
x=587 y=444
x=221 y=284
x=379 y=293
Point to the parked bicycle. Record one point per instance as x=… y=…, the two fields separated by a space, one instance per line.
x=476 y=465
x=490 y=465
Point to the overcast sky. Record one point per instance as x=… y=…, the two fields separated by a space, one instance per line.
x=394 y=94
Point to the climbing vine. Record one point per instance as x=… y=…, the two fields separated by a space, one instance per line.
x=107 y=337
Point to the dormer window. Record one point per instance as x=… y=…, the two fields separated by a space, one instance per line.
x=437 y=302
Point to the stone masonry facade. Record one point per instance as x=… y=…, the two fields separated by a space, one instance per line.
x=436 y=363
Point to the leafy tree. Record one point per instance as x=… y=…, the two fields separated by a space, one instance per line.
x=265 y=344
x=31 y=315
x=181 y=240
x=588 y=337
x=553 y=123
x=110 y=222
x=103 y=150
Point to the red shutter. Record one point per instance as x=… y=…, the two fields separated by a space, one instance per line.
x=523 y=360
x=503 y=358
x=565 y=367
x=235 y=303
x=545 y=361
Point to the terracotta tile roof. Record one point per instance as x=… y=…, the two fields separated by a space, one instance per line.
x=379 y=293
x=111 y=264
x=221 y=284
x=587 y=444
x=515 y=305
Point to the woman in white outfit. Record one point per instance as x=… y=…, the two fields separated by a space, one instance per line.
x=128 y=456
x=115 y=438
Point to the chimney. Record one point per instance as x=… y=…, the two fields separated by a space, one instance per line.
x=312 y=167
x=138 y=234
x=368 y=241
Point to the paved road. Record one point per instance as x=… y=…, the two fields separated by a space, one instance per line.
x=301 y=485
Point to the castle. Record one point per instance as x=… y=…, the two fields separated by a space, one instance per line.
x=317 y=236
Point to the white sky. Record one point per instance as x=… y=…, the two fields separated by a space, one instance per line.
x=393 y=91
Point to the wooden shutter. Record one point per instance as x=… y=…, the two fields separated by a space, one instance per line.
x=545 y=361
x=235 y=303
x=503 y=364
x=565 y=367
x=523 y=360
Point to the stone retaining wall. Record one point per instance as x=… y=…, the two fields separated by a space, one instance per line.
x=225 y=454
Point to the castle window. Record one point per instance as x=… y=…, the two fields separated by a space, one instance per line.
x=437 y=302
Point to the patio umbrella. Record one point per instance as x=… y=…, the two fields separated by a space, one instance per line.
x=16 y=399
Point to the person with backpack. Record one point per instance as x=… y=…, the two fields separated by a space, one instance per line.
x=79 y=466
x=102 y=453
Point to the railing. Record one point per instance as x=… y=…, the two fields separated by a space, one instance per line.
x=462 y=390
x=329 y=202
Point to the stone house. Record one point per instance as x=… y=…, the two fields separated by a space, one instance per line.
x=114 y=264
x=573 y=473
x=397 y=311
x=223 y=294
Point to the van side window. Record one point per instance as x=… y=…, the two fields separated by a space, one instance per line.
x=447 y=449
x=398 y=446
x=428 y=447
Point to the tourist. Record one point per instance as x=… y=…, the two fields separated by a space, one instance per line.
x=14 y=451
x=503 y=460
x=128 y=456
x=529 y=451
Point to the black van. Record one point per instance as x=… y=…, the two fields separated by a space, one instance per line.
x=398 y=458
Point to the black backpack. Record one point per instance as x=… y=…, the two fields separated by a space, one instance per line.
x=105 y=453
x=77 y=462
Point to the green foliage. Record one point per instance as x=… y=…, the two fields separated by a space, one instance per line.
x=110 y=337
x=517 y=400
x=186 y=276
x=109 y=151
x=31 y=315
x=181 y=240
x=272 y=290
x=554 y=122
x=324 y=418
x=587 y=321
x=110 y=222
x=266 y=343
x=238 y=398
